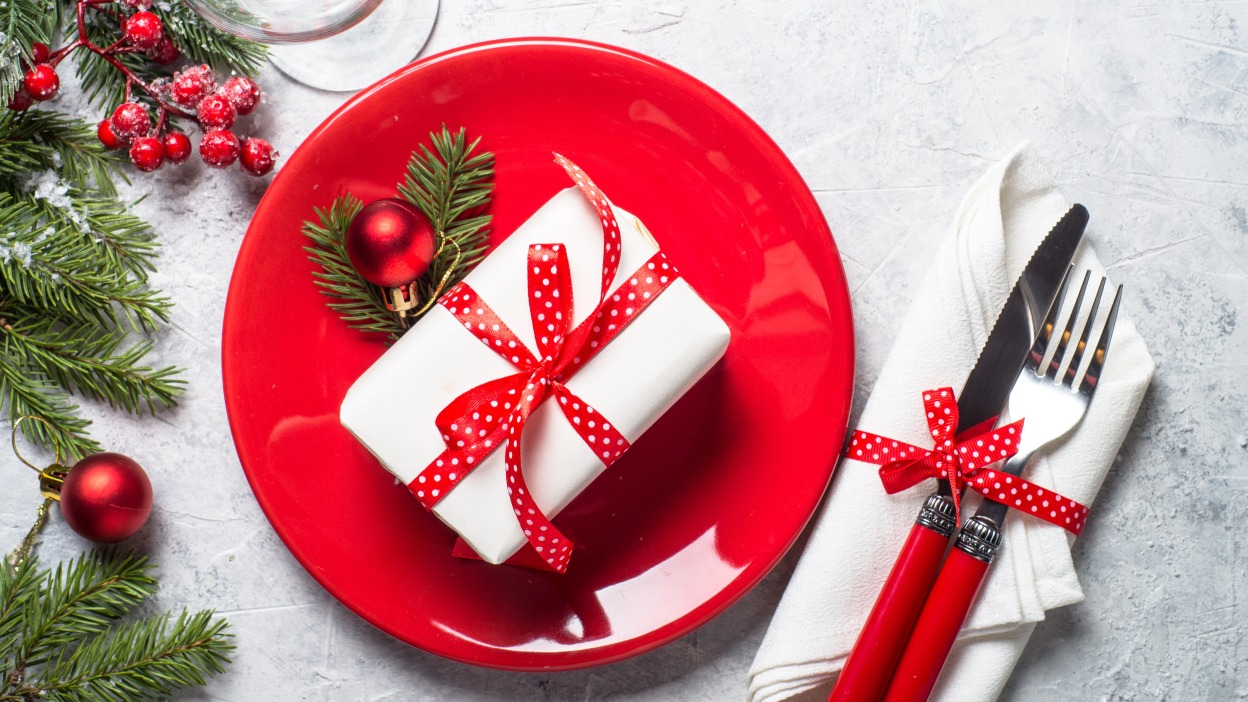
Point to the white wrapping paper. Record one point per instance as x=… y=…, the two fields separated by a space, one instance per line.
x=634 y=379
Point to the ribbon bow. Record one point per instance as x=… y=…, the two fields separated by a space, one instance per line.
x=962 y=459
x=494 y=413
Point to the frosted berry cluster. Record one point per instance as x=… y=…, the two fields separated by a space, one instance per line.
x=192 y=94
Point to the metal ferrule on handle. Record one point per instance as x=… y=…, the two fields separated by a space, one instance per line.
x=980 y=538
x=870 y=664
x=945 y=611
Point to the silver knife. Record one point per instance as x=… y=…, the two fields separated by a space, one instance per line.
x=870 y=665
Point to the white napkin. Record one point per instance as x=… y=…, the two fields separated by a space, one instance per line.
x=859 y=530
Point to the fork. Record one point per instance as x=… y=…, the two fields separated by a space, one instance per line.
x=1053 y=395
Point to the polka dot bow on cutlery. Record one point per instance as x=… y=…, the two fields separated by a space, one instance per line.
x=963 y=459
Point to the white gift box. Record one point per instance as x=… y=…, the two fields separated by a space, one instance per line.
x=632 y=381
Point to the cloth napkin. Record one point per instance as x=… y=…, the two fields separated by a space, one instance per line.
x=860 y=529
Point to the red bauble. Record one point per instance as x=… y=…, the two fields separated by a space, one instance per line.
x=106 y=497
x=390 y=243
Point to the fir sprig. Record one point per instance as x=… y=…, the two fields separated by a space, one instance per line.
x=89 y=359
x=62 y=636
x=74 y=266
x=39 y=140
x=449 y=184
x=46 y=262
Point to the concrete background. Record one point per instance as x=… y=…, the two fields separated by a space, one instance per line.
x=890 y=110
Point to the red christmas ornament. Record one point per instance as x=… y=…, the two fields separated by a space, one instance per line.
x=106 y=497
x=391 y=244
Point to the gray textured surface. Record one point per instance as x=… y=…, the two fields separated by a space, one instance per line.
x=890 y=110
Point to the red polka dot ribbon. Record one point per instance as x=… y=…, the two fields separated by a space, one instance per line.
x=493 y=414
x=963 y=459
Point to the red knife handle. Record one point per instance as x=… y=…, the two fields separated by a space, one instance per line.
x=870 y=664
x=945 y=611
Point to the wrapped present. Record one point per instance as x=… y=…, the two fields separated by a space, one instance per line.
x=535 y=373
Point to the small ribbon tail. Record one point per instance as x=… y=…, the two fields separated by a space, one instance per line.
x=1027 y=497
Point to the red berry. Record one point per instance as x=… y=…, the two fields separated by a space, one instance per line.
x=131 y=121
x=40 y=52
x=219 y=148
x=41 y=82
x=215 y=112
x=191 y=85
x=144 y=30
x=177 y=147
x=20 y=100
x=147 y=153
x=242 y=92
x=257 y=156
x=165 y=52
x=139 y=4
x=109 y=138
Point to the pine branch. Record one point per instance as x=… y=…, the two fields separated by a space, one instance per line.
x=41 y=140
x=47 y=263
x=81 y=599
x=60 y=638
x=25 y=394
x=85 y=358
x=451 y=186
x=22 y=23
x=147 y=658
x=19 y=587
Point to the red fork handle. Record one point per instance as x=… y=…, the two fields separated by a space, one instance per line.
x=870 y=664
x=943 y=614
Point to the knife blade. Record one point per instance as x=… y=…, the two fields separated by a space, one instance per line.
x=1002 y=357
x=871 y=662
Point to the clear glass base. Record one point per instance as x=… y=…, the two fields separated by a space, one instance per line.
x=385 y=41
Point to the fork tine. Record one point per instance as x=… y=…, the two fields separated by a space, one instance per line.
x=1045 y=333
x=1064 y=340
x=1076 y=360
x=1093 y=375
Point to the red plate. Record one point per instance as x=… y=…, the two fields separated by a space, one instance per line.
x=712 y=496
